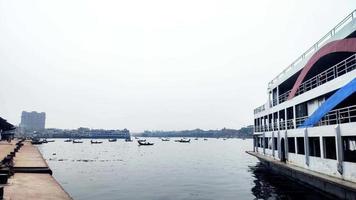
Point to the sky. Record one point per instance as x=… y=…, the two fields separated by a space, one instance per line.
x=152 y=65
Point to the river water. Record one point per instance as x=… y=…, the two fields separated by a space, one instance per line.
x=200 y=170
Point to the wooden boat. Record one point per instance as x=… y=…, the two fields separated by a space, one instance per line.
x=144 y=143
x=95 y=142
x=36 y=141
x=77 y=141
x=113 y=140
x=183 y=140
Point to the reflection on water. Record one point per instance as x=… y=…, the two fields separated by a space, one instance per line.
x=200 y=170
x=272 y=186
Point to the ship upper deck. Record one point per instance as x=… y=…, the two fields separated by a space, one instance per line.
x=340 y=31
x=296 y=79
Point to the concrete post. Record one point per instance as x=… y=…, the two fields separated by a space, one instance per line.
x=294 y=117
x=278 y=144
x=277 y=95
x=339 y=150
x=306 y=146
x=263 y=143
x=273 y=148
x=286 y=144
x=322 y=148
x=285 y=119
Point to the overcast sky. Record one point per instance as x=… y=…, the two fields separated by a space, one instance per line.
x=151 y=65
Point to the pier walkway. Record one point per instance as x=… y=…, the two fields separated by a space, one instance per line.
x=30 y=176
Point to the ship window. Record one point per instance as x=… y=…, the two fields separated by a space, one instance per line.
x=314 y=146
x=270 y=143
x=349 y=146
x=275 y=144
x=329 y=147
x=266 y=142
x=300 y=145
x=291 y=145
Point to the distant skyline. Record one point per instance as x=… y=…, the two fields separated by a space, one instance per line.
x=151 y=65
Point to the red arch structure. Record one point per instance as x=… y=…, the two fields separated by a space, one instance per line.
x=345 y=45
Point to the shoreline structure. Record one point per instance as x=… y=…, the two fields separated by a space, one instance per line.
x=24 y=174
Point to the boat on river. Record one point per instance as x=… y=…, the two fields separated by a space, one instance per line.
x=144 y=143
x=183 y=140
x=95 y=142
x=113 y=140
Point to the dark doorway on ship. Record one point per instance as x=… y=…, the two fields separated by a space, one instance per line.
x=283 y=150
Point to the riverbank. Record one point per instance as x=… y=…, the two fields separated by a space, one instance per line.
x=25 y=174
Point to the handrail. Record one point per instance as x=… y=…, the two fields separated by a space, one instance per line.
x=317 y=45
x=339 y=69
x=339 y=116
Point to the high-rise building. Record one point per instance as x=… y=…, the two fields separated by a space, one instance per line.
x=33 y=121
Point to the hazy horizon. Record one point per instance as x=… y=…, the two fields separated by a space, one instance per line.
x=151 y=65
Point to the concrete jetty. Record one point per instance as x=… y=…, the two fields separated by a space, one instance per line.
x=24 y=174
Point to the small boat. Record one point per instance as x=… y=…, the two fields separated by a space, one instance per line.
x=141 y=140
x=144 y=143
x=36 y=141
x=183 y=140
x=44 y=141
x=128 y=140
x=68 y=140
x=50 y=140
x=77 y=141
x=165 y=139
x=195 y=138
x=205 y=139
x=113 y=140
x=224 y=138
x=95 y=142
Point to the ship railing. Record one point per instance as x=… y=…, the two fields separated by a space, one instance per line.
x=290 y=124
x=333 y=72
x=339 y=116
x=300 y=120
x=258 y=129
x=341 y=68
x=274 y=102
x=259 y=109
x=284 y=97
x=275 y=126
x=317 y=45
x=282 y=125
x=270 y=127
x=265 y=128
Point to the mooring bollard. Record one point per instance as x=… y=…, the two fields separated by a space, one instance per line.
x=13 y=154
x=3 y=178
x=1 y=192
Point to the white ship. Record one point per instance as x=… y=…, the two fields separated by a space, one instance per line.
x=307 y=128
